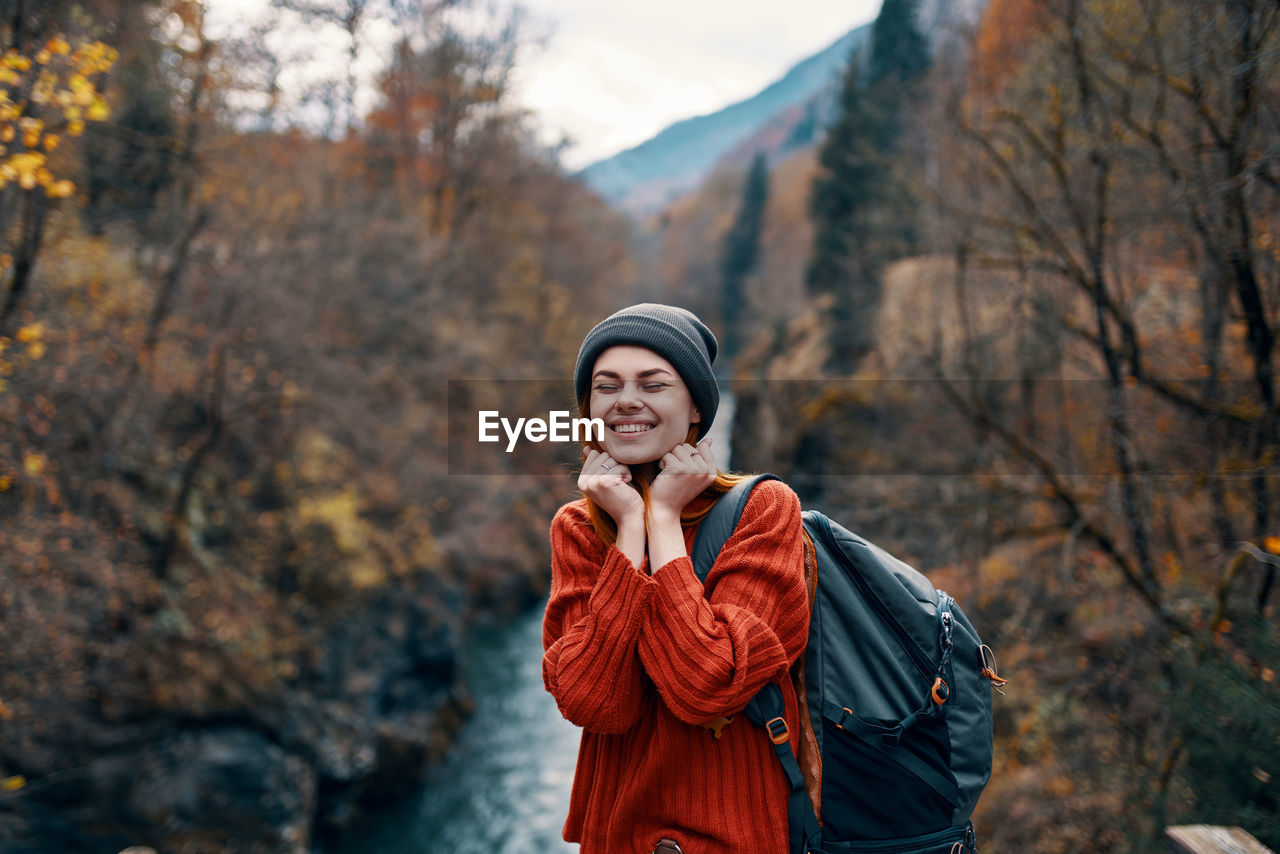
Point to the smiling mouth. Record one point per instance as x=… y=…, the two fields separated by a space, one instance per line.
x=631 y=429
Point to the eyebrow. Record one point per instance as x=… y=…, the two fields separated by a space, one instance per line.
x=642 y=375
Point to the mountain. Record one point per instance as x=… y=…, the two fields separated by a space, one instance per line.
x=787 y=115
x=645 y=178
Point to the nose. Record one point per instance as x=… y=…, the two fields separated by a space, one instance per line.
x=629 y=396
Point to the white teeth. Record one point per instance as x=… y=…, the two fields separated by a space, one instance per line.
x=630 y=428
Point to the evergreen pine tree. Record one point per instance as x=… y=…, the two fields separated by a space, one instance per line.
x=899 y=52
x=837 y=203
x=862 y=220
x=741 y=252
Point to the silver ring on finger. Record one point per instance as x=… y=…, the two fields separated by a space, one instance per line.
x=606 y=466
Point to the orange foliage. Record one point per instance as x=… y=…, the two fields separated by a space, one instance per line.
x=1007 y=29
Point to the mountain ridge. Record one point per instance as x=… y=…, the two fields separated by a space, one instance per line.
x=645 y=177
x=788 y=114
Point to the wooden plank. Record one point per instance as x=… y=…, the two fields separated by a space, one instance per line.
x=1204 y=839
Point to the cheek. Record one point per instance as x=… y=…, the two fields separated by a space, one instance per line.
x=688 y=411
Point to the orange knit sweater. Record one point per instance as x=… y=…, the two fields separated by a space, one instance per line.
x=640 y=662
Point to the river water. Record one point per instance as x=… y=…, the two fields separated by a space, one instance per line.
x=504 y=787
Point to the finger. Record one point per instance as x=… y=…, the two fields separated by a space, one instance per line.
x=685 y=452
x=697 y=460
x=673 y=462
x=708 y=456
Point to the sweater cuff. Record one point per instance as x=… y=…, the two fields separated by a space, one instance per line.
x=622 y=588
x=678 y=585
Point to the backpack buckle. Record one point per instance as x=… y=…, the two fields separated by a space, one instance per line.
x=941 y=691
x=717 y=725
x=778 y=732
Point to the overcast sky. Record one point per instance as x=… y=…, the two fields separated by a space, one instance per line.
x=609 y=74
x=615 y=73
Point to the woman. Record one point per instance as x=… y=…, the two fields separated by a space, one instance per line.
x=647 y=660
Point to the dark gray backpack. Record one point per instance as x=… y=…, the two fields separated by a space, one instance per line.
x=898 y=690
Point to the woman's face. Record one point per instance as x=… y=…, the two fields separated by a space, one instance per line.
x=644 y=404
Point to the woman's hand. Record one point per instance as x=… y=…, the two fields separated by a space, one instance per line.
x=686 y=472
x=607 y=482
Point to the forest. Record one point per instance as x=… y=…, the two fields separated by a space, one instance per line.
x=1013 y=316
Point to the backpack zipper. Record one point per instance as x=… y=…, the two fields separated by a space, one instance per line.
x=959 y=835
x=923 y=665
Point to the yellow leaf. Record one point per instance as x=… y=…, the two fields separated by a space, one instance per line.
x=5 y=482
x=43 y=57
x=98 y=111
x=27 y=334
x=33 y=464
x=58 y=45
x=60 y=190
x=12 y=784
x=51 y=141
x=82 y=90
x=35 y=349
x=1272 y=544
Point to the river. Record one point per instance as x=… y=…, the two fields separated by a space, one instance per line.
x=504 y=787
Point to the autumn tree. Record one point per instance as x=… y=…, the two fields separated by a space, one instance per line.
x=223 y=442
x=130 y=162
x=437 y=110
x=50 y=91
x=1113 y=191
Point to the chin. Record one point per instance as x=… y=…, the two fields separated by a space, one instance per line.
x=633 y=456
x=650 y=450
x=636 y=454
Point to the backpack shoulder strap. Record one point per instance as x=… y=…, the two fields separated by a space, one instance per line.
x=720 y=523
x=767 y=708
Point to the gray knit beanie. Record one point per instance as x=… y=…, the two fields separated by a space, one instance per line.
x=674 y=334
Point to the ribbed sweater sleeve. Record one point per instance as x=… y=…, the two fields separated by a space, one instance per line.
x=598 y=603
x=708 y=651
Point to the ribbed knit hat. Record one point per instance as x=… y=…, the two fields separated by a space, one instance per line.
x=674 y=334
